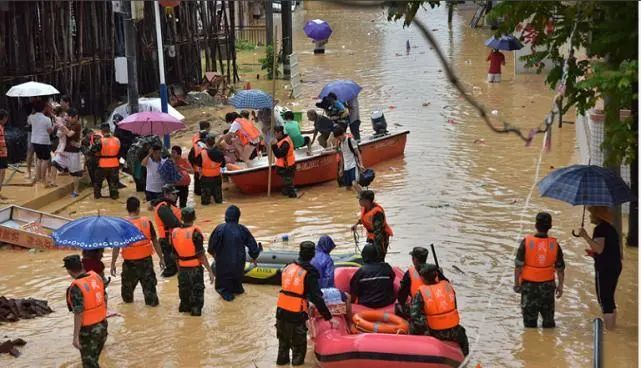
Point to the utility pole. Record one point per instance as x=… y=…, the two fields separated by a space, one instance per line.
x=633 y=218
x=161 y=69
x=130 y=53
x=269 y=23
x=450 y=12
x=286 y=13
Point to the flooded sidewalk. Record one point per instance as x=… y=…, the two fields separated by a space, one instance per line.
x=459 y=186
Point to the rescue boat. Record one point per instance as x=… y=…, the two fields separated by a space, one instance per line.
x=344 y=347
x=27 y=228
x=269 y=265
x=320 y=167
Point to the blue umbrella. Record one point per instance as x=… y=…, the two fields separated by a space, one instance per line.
x=95 y=232
x=317 y=29
x=251 y=99
x=587 y=185
x=506 y=43
x=344 y=89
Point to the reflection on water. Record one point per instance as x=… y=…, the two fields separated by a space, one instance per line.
x=458 y=186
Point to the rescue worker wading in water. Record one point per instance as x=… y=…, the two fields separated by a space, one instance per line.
x=107 y=149
x=197 y=144
x=283 y=149
x=433 y=310
x=537 y=259
x=87 y=300
x=374 y=221
x=299 y=284
x=167 y=217
x=138 y=265
x=210 y=161
x=188 y=244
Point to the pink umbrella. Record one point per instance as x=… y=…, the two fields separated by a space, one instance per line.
x=151 y=122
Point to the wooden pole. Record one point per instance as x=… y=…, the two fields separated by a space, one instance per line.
x=270 y=154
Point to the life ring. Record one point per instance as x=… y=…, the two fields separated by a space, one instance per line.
x=380 y=322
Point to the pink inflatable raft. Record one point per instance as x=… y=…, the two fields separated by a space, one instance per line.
x=340 y=348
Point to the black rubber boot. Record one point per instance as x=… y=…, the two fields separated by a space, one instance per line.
x=196 y=312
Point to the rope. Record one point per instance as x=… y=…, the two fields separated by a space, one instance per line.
x=518 y=238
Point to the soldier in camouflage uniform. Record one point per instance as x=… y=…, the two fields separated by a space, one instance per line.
x=419 y=321
x=537 y=259
x=188 y=244
x=90 y=327
x=138 y=265
x=102 y=173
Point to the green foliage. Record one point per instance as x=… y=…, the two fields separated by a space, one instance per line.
x=267 y=63
x=244 y=45
x=406 y=10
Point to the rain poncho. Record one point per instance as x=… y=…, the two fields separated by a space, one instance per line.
x=227 y=244
x=323 y=262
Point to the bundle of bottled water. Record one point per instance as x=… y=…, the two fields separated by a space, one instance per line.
x=332 y=296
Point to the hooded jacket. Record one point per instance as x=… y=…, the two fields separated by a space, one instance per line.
x=323 y=262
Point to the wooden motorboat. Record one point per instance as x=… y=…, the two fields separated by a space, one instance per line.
x=320 y=167
x=28 y=228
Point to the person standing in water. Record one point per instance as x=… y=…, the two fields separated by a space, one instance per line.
x=167 y=217
x=537 y=259
x=87 y=300
x=496 y=59
x=374 y=221
x=605 y=247
x=138 y=265
x=227 y=245
x=188 y=244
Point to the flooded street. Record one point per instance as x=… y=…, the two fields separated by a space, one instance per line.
x=459 y=186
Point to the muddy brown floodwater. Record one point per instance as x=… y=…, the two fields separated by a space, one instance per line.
x=464 y=197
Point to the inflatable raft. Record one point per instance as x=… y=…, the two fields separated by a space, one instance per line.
x=341 y=348
x=271 y=263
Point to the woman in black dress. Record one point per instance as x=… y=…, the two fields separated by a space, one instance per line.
x=604 y=247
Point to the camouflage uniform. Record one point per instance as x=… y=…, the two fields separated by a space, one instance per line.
x=191 y=289
x=381 y=239
x=92 y=338
x=169 y=255
x=191 y=282
x=102 y=173
x=418 y=326
x=287 y=174
x=538 y=297
x=291 y=336
x=140 y=270
x=211 y=187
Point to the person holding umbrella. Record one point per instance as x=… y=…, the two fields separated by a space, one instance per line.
x=319 y=31
x=605 y=248
x=496 y=59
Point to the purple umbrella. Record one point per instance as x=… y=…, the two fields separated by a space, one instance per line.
x=150 y=123
x=344 y=89
x=317 y=29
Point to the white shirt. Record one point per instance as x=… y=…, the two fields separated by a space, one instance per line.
x=39 y=125
x=154 y=180
x=349 y=159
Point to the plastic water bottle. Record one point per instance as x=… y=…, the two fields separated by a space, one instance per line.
x=281 y=238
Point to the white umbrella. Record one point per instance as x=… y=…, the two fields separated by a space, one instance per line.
x=145 y=104
x=31 y=89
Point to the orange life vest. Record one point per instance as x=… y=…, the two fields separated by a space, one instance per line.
x=210 y=167
x=109 y=152
x=248 y=133
x=367 y=219
x=439 y=305
x=198 y=148
x=143 y=248
x=416 y=281
x=162 y=232
x=93 y=297
x=292 y=295
x=540 y=256
x=182 y=240
x=290 y=159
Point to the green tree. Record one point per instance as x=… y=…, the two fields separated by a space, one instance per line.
x=267 y=63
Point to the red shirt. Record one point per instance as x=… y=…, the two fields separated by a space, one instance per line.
x=94 y=265
x=496 y=59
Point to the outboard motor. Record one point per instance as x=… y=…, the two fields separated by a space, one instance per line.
x=379 y=125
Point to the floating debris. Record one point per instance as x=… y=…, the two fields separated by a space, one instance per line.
x=12 y=310
x=426 y=104
x=9 y=347
x=479 y=141
x=495 y=112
